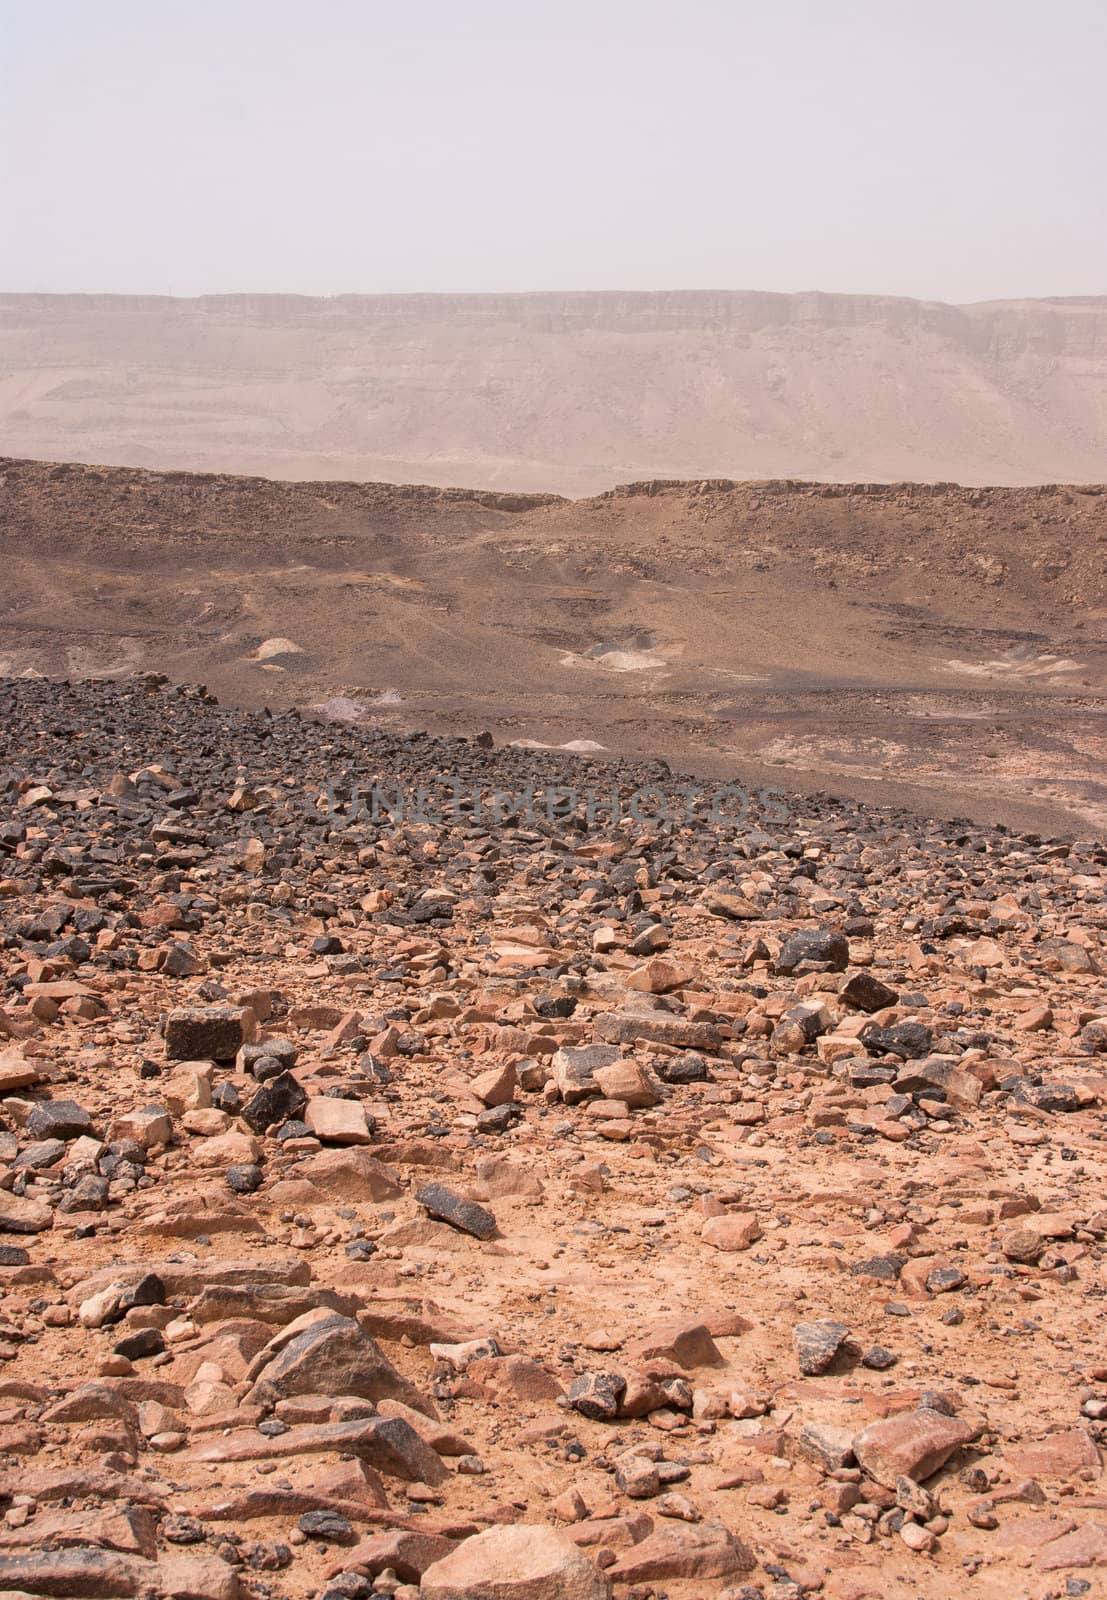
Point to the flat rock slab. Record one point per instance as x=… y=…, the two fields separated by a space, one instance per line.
x=734 y=906
x=407 y=1553
x=657 y=1028
x=17 y=1072
x=1083 y=1547
x=342 y=1122
x=689 y=1344
x=386 y=1443
x=445 y=1205
x=190 y=1277
x=88 y=1573
x=265 y=1302
x=347 y=1174
x=20 y=1214
x=518 y=1562
x=1066 y=1454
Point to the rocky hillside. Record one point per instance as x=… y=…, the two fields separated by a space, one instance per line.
x=573 y=392
x=488 y=1197
x=935 y=646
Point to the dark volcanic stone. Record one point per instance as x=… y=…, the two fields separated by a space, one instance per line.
x=884 y=1268
x=58 y=1119
x=817 y=1343
x=819 y=948
x=911 y=1040
x=148 y=1291
x=277 y=1100
x=867 y=993
x=361 y=1249
x=329 y=1525
x=265 y=1067
x=204 y=1033
x=276 y=1049
x=945 y=1279
x=137 y=1346
x=688 y=1068
x=244 y=1179
x=553 y=1006
x=1049 y=1096
x=43 y=1153
x=878 y=1358
x=863 y=1074
x=598 y=1395
x=446 y=1206
x=179 y=1528
x=293 y=1129
x=497 y=1119
x=89 y=1193
x=225 y=1097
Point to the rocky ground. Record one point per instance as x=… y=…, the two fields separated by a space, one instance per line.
x=517 y=1207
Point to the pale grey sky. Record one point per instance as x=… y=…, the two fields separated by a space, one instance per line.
x=950 y=149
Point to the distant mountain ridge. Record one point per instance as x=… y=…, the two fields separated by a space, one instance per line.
x=561 y=392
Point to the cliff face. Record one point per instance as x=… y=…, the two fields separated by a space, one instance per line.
x=561 y=392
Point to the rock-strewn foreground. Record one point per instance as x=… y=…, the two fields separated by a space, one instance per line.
x=483 y=1210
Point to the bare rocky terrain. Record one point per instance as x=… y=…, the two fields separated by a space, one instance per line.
x=932 y=646
x=489 y=1201
x=569 y=392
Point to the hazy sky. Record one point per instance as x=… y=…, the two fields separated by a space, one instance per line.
x=952 y=149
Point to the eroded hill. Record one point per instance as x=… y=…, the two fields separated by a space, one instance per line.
x=934 y=645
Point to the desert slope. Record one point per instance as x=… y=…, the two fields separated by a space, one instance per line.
x=572 y=392
x=933 y=646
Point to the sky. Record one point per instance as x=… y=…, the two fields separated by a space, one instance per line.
x=945 y=149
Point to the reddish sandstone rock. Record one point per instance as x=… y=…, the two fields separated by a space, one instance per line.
x=523 y=1562
x=1083 y=1547
x=515 y=1377
x=913 y=1444
x=1069 y=1453
x=689 y=1344
x=341 y=1122
x=347 y=1174
x=407 y=1554
x=706 y=1550
x=733 y=1231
